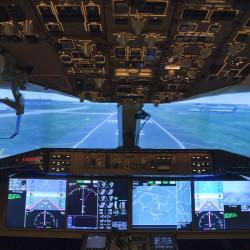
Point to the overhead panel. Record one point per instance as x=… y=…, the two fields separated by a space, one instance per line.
x=152 y=51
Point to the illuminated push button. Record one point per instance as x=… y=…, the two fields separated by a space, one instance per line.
x=152 y=164
x=92 y=163
x=99 y=164
x=164 y=167
x=127 y=165
x=143 y=164
x=135 y=165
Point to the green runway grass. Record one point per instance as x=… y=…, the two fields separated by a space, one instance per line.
x=211 y=127
x=58 y=129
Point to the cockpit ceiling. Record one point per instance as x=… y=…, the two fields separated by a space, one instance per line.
x=128 y=51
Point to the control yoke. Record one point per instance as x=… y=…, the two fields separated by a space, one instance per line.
x=16 y=104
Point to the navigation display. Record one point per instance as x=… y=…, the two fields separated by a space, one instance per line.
x=222 y=205
x=36 y=203
x=161 y=204
x=97 y=204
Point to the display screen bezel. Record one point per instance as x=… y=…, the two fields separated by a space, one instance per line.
x=195 y=219
x=64 y=228
x=30 y=228
x=160 y=229
x=98 y=178
x=129 y=187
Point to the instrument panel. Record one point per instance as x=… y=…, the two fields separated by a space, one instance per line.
x=76 y=191
x=128 y=204
x=146 y=162
x=128 y=162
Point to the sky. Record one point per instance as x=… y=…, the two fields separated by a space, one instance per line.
x=228 y=98
x=234 y=98
x=38 y=95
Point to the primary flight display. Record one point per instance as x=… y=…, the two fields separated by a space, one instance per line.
x=36 y=203
x=222 y=205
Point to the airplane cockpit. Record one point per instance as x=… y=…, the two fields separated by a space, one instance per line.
x=124 y=124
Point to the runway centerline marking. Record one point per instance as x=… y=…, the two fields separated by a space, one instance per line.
x=181 y=145
x=92 y=131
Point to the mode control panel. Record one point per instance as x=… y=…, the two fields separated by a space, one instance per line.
x=60 y=162
x=130 y=162
x=142 y=161
x=201 y=163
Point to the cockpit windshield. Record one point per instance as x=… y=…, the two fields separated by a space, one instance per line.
x=54 y=120
x=214 y=122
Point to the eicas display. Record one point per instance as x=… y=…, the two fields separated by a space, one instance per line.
x=222 y=205
x=97 y=204
x=161 y=204
x=36 y=203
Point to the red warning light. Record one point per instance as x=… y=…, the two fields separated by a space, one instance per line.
x=31 y=159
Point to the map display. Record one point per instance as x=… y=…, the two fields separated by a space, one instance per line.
x=161 y=204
